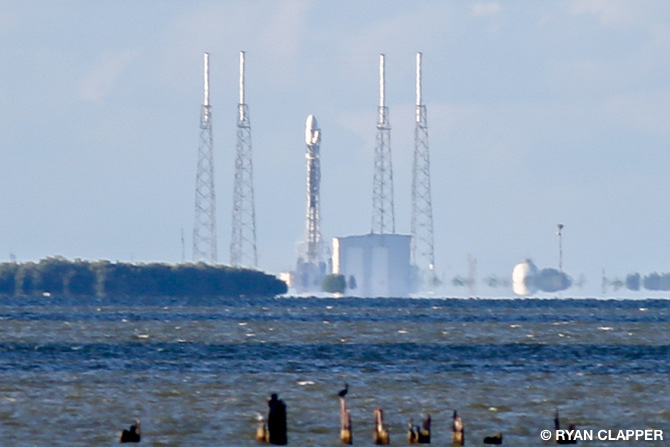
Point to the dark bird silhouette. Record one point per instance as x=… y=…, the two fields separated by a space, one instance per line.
x=419 y=435
x=424 y=431
x=494 y=439
x=381 y=436
x=344 y=392
x=131 y=435
x=276 y=421
x=345 y=422
x=458 y=436
x=565 y=439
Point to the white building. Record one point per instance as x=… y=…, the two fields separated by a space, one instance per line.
x=377 y=264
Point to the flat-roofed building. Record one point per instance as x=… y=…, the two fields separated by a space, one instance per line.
x=376 y=265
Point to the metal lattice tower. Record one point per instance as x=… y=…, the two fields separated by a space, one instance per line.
x=313 y=230
x=423 y=255
x=204 y=227
x=243 y=240
x=383 y=216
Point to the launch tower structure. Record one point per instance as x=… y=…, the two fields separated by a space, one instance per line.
x=383 y=217
x=243 y=240
x=204 y=228
x=313 y=238
x=423 y=255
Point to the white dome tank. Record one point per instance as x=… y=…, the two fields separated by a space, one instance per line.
x=522 y=278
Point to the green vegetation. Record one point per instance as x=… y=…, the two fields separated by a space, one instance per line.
x=494 y=281
x=657 y=281
x=352 y=282
x=551 y=280
x=462 y=281
x=58 y=276
x=334 y=283
x=636 y=282
x=633 y=281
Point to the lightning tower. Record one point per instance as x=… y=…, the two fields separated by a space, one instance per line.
x=423 y=255
x=383 y=218
x=243 y=240
x=204 y=228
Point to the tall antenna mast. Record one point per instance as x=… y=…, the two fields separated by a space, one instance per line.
x=383 y=216
x=204 y=228
x=423 y=255
x=243 y=240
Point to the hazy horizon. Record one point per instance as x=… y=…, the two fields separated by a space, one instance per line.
x=539 y=113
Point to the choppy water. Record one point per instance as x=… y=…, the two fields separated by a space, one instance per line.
x=197 y=371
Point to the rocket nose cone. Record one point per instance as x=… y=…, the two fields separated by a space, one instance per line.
x=310 y=126
x=311 y=122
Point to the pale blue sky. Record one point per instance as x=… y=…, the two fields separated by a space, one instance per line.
x=538 y=113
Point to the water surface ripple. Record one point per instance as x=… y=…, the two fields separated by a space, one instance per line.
x=196 y=371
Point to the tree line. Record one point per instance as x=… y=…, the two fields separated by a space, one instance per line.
x=546 y=280
x=59 y=276
x=551 y=280
x=635 y=282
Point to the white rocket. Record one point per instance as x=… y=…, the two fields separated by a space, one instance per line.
x=313 y=236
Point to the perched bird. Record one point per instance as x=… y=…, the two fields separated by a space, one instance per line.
x=424 y=431
x=261 y=429
x=345 y=422
x=131 y=435
x=344 y=391
x=458 y=436
x=381 y=436
x=412 y=432
x=566 y=439
x=419 y=435
x=494 y=439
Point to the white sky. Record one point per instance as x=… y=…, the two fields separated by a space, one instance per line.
x=538 y=113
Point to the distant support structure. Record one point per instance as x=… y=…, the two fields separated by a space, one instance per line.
x=243 y=241
x=423 y=253
x=204 y=227
x=383 y=217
